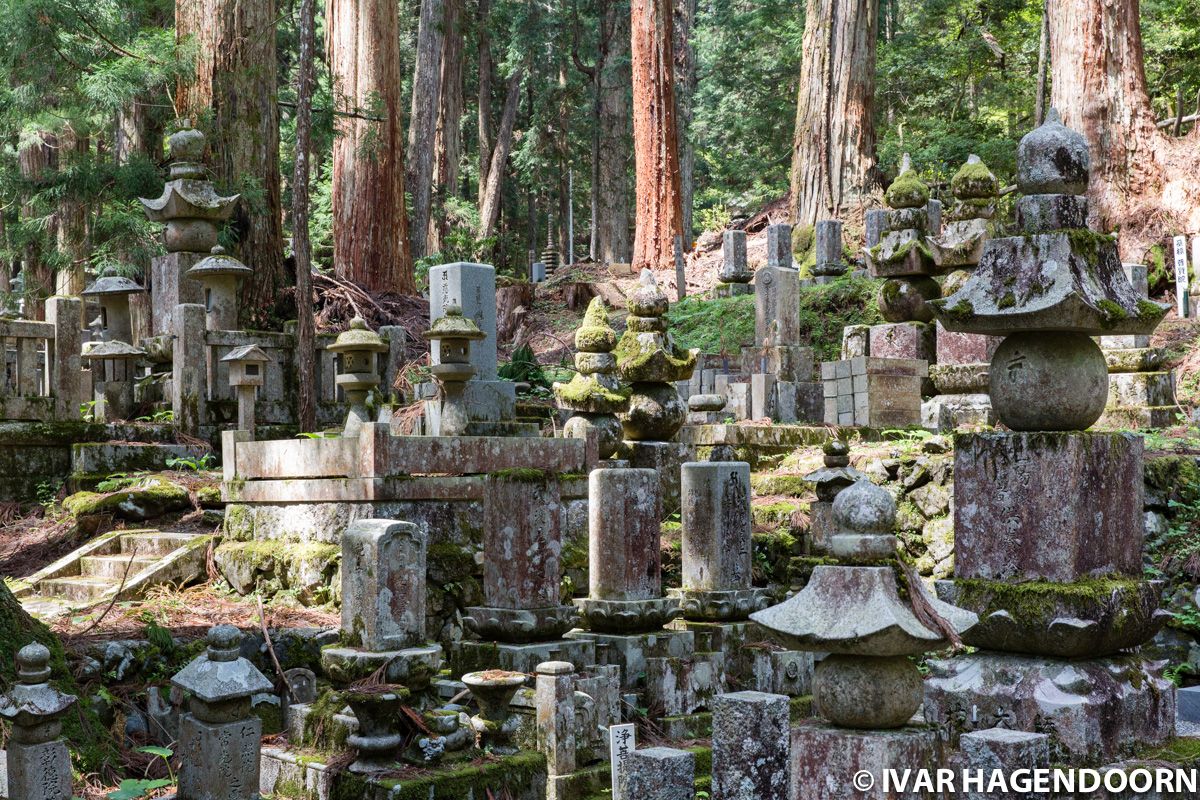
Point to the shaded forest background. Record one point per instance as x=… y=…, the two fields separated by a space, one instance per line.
x=90 y=88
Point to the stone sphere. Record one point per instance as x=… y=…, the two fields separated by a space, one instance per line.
x=907 y=299
x=1048 y=381
x=1053 y=159
x=867 y=692
x=954 y=280
x=864 y=508
x=606 y=426
x=656 y=413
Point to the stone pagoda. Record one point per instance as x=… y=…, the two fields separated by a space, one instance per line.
x=902 y=258
x=1048 y=518
x=871 y=619
x=960 y=375
x=594 y=394
x=191 y=210
x=649 y=359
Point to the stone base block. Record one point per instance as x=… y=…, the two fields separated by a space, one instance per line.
x=1042 y=506
x=1094 y=711
x=788 y=672
x=283 y=770
x=521 y=625
x=219 y=754
x=784 y=362
x=1001 y=750
x=627 y=616
x=476 y=656
x=413 y=667
x=677 y=686
x=965 y=348
x=947 y=412
x=915 y=340
x=825 y=760
x=873 y=392
x=1138 y=389
x=732 y=289
x=1127 y=342
x=959 y=378
x=631 y=651
x=1149 y=359
x=38 y=771
x=707 y=417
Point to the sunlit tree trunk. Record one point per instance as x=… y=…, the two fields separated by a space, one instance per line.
x=426 y=101
x=489 y=206
x=370 y=223
x=833 y=152
x=655 y=137
x=1142 y=181
x=685 y=89
x=301 y=246
x=449 y=125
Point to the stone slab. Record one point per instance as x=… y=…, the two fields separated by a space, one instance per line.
x=383 y=585
x=38 y=771
x=660 y=773
x=948 y=412
x=965 y=348
x=1047 y=506
x=750 y=746
x=224 y=755
x=1095 y=711
x=1003 y=750
x=910 y=340
x=825 y=760
x=470 y=656
x=170 y=286
x=686 y=685
x=777 y=306
x=472 y=287
x=1141 y=389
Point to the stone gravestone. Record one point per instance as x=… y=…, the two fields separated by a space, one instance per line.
x=777 y=292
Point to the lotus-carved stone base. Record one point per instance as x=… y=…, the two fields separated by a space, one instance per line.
x=720 y=606
x=627 y=616
x=1086 y=619
x=521 y=625
x=412 y=667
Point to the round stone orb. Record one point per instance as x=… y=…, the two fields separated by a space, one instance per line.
x=906 y=299
x=606 y=426
x=1053 y=159
x=867 y=691
x=864 y=508
x=655 y=414
x=1048 y=381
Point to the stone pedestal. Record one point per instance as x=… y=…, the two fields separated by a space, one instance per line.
x=39 y=771
x=522 y=545
x=170 y=286
x=1095 y=711
x=911 y=340
x=1048 y=506
x=825 y=760
x=660 y=773
x=751 y=738
x=677 y=687
x=219 y=757
x=715 y=505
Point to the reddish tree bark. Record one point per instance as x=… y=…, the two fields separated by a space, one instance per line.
x=655 y=137
x=370 y=223
x=1142 y=180
x=235 y=90
x=833 y=152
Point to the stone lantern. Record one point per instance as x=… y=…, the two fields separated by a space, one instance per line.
x=189 y=205
x=219 y=737
x=247 y=366
x=39 y=765
x=454 y=334
x=114 y=365
x=220 y=275
x=113 y=292
x=359 y=347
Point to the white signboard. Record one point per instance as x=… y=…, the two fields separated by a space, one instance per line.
x=1181 y=274
x=622 y=740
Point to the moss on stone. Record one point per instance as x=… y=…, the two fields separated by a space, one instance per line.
x=583 y=390
x=594 y=334
x=1034 y=600
x=638 y=362
x=320 y=730
x=1007 y=301
x=907 y=191
x=960 y=311
x=1112 y=312
x=511 y=775
x=974 y=181
x=1149 y=310
x=521 y=475
x=152 y=493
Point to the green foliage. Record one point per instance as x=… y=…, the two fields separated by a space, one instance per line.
x=524 y=368
x=720 y=325
x=827 y=308
x=204 y=462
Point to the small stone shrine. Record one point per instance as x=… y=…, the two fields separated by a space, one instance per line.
x=454 y=335
x=594 y=394
x=113 y=292
x=835 y=475
x=871 y=617
x=220 y=275
x=1049 y=518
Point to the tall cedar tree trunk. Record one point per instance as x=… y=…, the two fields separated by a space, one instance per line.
x=35 y=160
x=449 y=125
x=301 y=246
x=611 y=136
x=1142 y=181
x=72 y=218
x=426 y=101
x=489 y=206
x=655 y=138
x=562 y=152
x=370 y=222
x=235 y=83
x=685 y=89
x=833 y=152
x=485 y=96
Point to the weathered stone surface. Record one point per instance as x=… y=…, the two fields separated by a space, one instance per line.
x=825 y=760
x=970 y=378
x=554 y=699
x=1041 y=506
x=960 y=243
x=681 y=686
x=776 y=306
x=909 y=340
x=1051 y=212
x=734 y=267
x=1084 y=619
x=660 y=773
x=856 y=341
x=779 y=245
x=751 y=737
x=39 y=765
x=828 y=245
x=522 y=542
x=964 y=348
x=1094 y=711
x=866 y=691
x=1052 y=159
x=623 y=521
x=1030 y=367
x=1003 y=750
x=383 y=585
x=38 y=771
x=1135 y=359
x=716 y=525
x=1136 y=389
x=906 y=299
x=471 y=287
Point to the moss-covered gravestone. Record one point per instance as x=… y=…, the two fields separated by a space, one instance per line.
x=594 y=394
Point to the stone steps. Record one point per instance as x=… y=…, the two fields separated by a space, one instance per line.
x=94 y=573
